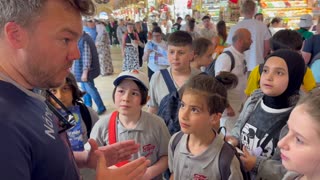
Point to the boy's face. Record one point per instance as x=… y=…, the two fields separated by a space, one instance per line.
x=300 y=147
x=64 y=94
x=275 y=77
x=194 y=117
x=156 y=37
x=180 y=57
x=127 y=98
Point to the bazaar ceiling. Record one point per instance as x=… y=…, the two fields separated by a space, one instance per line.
x=110 y=5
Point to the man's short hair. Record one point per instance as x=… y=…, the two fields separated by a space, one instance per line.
x=180 y=38
x=258 y=14
x=286 y=39
x=157 y=29
x=179 y=18
x=23 y=12
x=205 y=17
x=248 y=7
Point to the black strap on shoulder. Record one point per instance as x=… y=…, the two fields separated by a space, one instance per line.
x=175 y=141
x=225 y=159
x=232 y=59
x=86 y=117
x=277 y=127
x=167 y=78
x=260 y=68
x=315 y=58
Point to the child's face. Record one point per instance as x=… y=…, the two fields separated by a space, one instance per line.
x=275 y=77
x=127 y=98
x=180 y=57
x=64 y=94
x=156 y=37
x=206 y=58
x=300 y=147
x=194 y=117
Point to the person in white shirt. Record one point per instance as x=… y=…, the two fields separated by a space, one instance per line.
x=241 y=42
x=259 y=32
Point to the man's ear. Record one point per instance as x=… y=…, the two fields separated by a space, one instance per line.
x=15 y=35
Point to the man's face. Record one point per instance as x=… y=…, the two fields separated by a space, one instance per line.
x=247 y=41
x=259 y=18
x=206 y=23
x=51 y=45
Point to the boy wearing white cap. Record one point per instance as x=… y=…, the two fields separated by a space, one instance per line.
x=305 y=24
x=129 y=121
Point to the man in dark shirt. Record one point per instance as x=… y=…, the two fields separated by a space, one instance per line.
x=38 y=44
x=176 y=26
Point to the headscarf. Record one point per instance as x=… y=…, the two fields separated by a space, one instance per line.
x=296 y=70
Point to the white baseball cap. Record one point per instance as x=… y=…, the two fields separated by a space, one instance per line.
x=135 y=75
x=305 y=21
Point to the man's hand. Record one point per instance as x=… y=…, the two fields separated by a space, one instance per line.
x=248 y=160
x=114 y=153
x=131 y=171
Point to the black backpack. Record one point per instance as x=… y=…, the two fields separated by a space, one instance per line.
x=86 y=117
x=225 y=158
x=210 y=69
x=314 y=59
x=169 y=105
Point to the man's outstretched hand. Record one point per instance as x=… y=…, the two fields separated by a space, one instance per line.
x=133 y=170
x=114 y=153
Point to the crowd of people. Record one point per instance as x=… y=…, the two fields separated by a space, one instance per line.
x=241 y=104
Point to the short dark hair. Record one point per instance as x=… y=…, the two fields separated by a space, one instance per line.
x=142 y=89
x=154 y=24
x=179 y=18
x=286 y=39
x=258 y=14
x=180 y=38
x=157 y=29
x=276 y=20
x=205 y=17
x=213 y=88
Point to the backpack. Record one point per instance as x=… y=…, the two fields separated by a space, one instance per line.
x=86 y=117
x=210 y=69
x=169 y=105
x=225 y=158
x=315 y=58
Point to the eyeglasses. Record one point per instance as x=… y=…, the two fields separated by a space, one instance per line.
x=156 y=35
x=65 y=121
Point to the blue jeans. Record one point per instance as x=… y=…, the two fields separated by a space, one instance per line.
x=92 y=93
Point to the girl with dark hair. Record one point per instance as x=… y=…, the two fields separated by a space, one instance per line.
x=220 y=40
x=70 y=96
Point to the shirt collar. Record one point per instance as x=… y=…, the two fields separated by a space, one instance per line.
x=208 y=155
x=28 y=92
x=139 y=126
